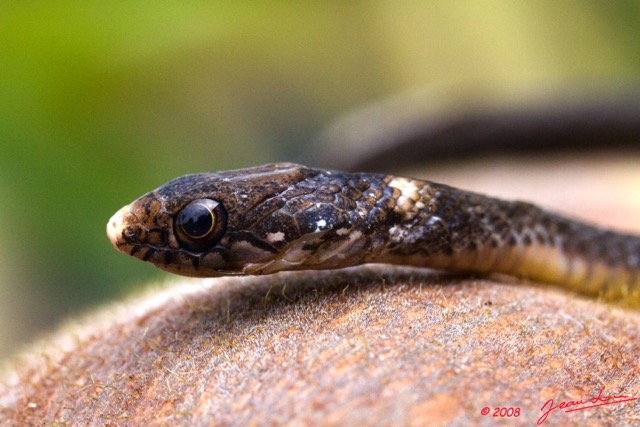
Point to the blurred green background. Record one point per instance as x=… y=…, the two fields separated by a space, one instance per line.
x=103 y=101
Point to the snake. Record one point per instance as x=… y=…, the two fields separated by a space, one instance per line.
x=285 y=216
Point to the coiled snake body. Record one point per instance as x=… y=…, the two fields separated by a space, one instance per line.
x=285 y=216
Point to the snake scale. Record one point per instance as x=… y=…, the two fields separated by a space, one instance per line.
x=285 y=216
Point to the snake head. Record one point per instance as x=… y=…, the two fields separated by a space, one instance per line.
x=248 y=221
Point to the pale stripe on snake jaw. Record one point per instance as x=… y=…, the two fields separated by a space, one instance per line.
x=285 y=216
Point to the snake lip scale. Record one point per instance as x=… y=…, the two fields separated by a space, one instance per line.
x=284 y=216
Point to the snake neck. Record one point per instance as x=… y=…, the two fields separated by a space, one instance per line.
x=445 y=228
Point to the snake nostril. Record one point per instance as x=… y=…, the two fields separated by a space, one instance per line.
x=135 y=234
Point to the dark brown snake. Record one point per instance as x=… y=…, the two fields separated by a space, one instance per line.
x=285 y=216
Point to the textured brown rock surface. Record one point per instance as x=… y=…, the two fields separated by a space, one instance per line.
x=332 y=349
x=370 y=346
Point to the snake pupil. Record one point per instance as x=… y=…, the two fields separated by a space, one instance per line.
x=196 y=220
x=200 y=224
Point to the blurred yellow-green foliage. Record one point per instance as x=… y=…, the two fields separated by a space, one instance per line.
x=102 y=101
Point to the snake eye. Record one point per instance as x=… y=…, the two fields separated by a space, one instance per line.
x=200 y=224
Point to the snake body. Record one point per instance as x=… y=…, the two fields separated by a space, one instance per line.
x=285 y=216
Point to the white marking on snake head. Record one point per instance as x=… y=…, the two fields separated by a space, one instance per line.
x=275 y=237
x=342 y=231
x=320 y=224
